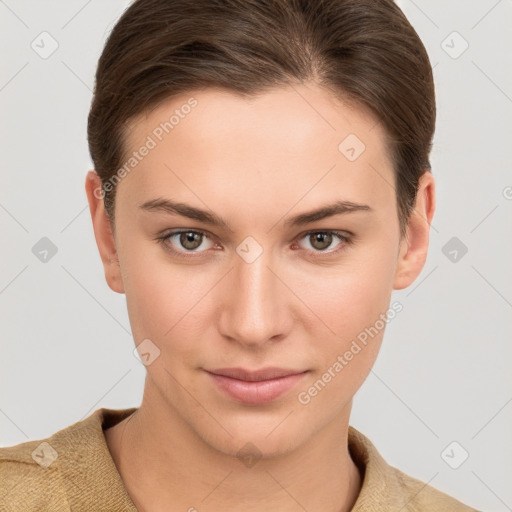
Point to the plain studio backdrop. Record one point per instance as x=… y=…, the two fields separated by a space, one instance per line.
x=438 y=403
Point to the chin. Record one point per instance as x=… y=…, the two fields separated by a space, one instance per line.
x=261 y=440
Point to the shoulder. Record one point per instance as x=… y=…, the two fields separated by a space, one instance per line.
x=418 y=496
x=69 y=470
x=29 y=478
x=386 y=488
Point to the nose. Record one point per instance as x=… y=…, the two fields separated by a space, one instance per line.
x=254 y=303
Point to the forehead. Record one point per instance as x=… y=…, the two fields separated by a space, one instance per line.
x=286 y=142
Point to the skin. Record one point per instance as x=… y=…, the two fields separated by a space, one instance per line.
x=255 y=163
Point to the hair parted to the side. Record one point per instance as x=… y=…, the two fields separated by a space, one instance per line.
x=363 y=51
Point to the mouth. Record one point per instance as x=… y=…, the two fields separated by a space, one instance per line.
x=255 y=387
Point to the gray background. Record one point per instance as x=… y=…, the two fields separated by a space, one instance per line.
x=444 y=370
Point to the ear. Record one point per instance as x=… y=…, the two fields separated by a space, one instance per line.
x=103 y=233
x=414 y=246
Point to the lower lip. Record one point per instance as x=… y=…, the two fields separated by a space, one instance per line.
x=258 y=392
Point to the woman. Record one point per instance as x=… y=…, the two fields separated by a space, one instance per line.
x=262 y=184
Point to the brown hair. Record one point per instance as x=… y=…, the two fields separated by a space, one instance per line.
x=364 y=51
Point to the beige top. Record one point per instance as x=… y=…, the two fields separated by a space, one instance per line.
x=73 y=470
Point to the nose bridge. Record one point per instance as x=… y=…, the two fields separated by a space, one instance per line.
x=251 y=313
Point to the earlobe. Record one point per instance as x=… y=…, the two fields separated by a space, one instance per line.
x=414 y=246
x=105 y=239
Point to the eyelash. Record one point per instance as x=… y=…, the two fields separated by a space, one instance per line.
x=344 y=237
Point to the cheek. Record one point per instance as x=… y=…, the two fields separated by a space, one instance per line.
x=354 y=306
x=166 y=303
x=352 y=300
x=352 y=295
x=153 y=294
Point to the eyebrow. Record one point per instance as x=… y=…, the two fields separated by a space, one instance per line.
x=191 y=212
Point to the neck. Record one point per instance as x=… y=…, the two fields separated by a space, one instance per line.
x=172 y=468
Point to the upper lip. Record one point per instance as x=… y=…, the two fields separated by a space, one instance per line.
x=256 y=375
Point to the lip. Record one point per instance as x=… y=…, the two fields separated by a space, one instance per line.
x=255 y=387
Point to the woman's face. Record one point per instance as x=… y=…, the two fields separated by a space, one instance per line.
x=273 y=287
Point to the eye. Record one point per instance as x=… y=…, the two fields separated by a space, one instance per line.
x=322 y=240
x=187 y=241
